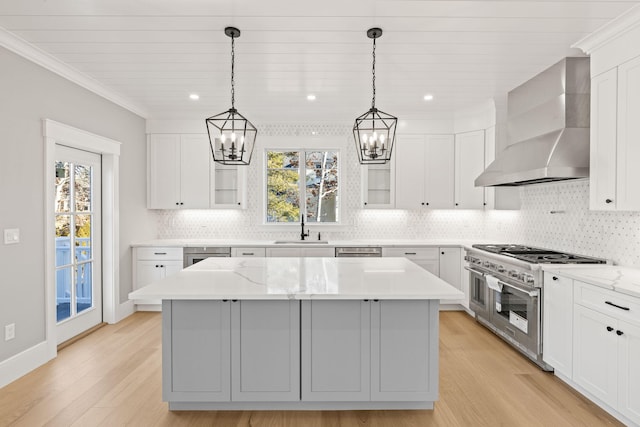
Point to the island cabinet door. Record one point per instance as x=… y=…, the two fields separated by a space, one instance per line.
x=196 y=349
x=404 y=350
x=265 y=350
x=335 y=350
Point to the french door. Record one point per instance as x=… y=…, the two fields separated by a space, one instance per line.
x=78 y=278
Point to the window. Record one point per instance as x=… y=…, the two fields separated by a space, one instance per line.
x=313 y=180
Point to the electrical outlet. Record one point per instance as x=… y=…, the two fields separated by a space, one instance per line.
x=10 y=332
x=11 y=236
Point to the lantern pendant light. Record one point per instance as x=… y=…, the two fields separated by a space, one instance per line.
x=375 y=130
x=231 y=136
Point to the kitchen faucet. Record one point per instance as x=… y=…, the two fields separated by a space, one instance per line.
x=302 y=233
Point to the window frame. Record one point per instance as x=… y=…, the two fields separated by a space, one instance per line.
x=303 y=146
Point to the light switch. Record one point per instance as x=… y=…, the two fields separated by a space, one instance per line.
x=11 y=236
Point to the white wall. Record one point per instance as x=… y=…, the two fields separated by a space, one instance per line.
x=29 y=93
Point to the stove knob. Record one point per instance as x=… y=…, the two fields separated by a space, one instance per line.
x=466 y=258
x=529 y=279
x=501 y=269
x=513 y=273
x=486 y=264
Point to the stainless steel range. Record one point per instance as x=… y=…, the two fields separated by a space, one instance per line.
x=506 y=291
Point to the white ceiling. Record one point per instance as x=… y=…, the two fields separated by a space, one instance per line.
x=154 y=53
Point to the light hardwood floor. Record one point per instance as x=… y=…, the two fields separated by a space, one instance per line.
x=113 y=378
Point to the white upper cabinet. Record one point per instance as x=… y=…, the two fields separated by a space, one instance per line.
x=426 y=176
x=602 y=163
x=469 y=163
x=378 y=184
x=182 y=175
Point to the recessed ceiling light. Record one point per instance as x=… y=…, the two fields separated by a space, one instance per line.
x=194 y=96
x=428 y=97
x=311 y=97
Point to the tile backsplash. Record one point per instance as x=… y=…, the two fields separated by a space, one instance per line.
x=553 y=215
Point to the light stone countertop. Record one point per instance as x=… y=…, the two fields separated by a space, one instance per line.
x=239 y=243
x=300 y=278
x=625 y=280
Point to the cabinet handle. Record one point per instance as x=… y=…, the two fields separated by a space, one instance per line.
x=410 y=253
x=609 y=328
x=617 y=306
x=159 y=253
x=375 y=300
x=225 y=300
x=366 y=300
x=247 y=253
x=619 y=332
x=608 y=201
x=554 y=278
x=234 y=300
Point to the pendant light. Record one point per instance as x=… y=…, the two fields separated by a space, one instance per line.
x=231 y=136
x=375 y=130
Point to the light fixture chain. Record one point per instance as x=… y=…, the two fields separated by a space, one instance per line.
x=373 y=72
x=233 y=83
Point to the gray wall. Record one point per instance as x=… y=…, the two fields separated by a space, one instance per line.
x=29 y=93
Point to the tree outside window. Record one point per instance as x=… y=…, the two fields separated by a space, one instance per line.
x=314 y=180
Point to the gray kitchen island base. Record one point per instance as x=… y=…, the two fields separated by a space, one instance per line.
x=298 y=406
x=326 y=354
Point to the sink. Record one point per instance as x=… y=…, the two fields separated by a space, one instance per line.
x=291 y=242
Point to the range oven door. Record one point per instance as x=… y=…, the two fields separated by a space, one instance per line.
x=478 y=293
x=515 y=312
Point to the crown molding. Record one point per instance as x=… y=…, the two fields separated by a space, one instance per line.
x=36 y=55
x=609 y=31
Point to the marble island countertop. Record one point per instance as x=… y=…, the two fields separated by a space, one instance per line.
x=300 y=278
x=618 y=278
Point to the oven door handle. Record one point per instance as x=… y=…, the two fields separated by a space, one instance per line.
x=480 y=273
x=533 y=293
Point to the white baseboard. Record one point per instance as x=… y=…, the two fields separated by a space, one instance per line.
x=24 y=362
x=125 y=309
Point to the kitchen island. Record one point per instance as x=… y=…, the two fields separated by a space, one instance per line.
x=300 y=333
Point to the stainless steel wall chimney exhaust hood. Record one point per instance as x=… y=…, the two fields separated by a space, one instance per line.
x=547 y=128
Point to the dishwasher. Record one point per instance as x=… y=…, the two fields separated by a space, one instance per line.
x=193 y=255
x=354 y=252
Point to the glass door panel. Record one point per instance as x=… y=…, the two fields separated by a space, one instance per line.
x=77 y=241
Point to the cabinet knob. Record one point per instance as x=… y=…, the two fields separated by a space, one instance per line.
x=181 y=203
x=485 y=203
x=239 y=203
x=441 y=253
x=554 y=278
x=609 y=328
x=456 y=204
x=422 y=203
x=608 y=201
x=619 y=332
x=157 y=266
x=365 y=203
x=177 y=204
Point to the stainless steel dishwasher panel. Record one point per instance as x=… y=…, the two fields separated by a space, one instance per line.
x=359 y=252
x=192 y=255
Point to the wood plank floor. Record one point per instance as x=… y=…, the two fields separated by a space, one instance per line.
x=113 y=378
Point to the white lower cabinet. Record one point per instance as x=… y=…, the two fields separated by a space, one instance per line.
x=301 y=252
x=151 y=264
x=591 y=336
x=595 y=365
x=354 y=350
x=427 y=258
x=239 y=351
x=249 y=252
x=557 y=324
